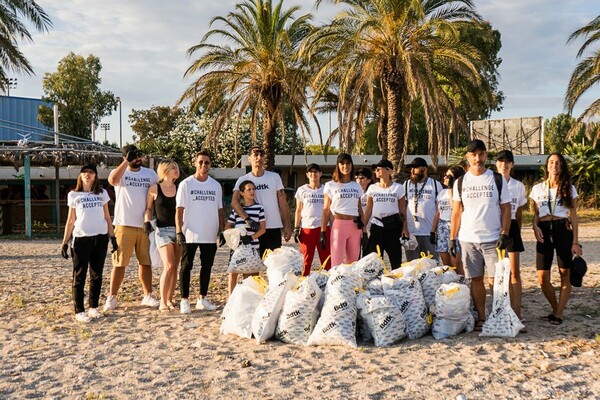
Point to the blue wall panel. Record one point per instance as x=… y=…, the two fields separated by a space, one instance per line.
x=18 y=117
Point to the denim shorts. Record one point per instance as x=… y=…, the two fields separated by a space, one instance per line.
x=165 y=235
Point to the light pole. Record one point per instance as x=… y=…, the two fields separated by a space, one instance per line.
x=106 y=127
x=120 y=123
x=11 y=83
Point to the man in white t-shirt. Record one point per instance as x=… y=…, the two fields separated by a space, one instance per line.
x=131 y=182
x=198 y=220
x=270 y=195
x=480 y=221
x=421 y=206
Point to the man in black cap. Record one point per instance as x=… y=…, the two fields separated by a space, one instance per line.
x=131 y=181
x=480 y=221
x=421 y=203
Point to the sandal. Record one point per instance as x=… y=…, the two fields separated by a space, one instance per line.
x=556 y=320
x=479 y=325
x=548 y=317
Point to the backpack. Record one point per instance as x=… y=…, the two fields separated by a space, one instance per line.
x=497 y=177
x=435 y=186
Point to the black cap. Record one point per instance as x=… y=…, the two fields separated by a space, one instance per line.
x=128 y=148
x=90 y=167
x=383 y=163
x=578 y=270
x=418 y=162
x=476 y=144
x=313 y=166
x=366 y=172
x=344 y=156
x=506 y=155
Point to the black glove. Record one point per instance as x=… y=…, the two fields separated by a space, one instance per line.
x=180 y=239
x=64 y=252
x=323 y=241
x=297 y=235
x=132 y=155
x=148 y=227
x=252 y=224
x=246 y=239
x=432 y=238
x=453 y=248
x=502 y=242
x=359 y=223
x=221 y=239
x=114 y=244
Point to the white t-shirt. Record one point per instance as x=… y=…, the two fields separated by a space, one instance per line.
x=444 y=205
x=89 y=212
x=130 y=197
x=312 y=206
x=425 y=193
x=385 y=200
x=517 y=194
x=539 y=194
x=481 y=220
x=202 y=203
x=344 y=197
x=267 y=187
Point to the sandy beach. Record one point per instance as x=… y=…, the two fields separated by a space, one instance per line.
x=136 y=352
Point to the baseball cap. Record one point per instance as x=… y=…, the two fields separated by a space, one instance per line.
x=418 y=162
x=128 y=148
x=90 y=167
x=313 y=166
x=383 y=163
x=344 y=156
x=506 y=155
x=366 y=172
x=476 y=144
x=578 y=270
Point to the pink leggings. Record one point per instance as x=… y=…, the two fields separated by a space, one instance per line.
x=345 y=242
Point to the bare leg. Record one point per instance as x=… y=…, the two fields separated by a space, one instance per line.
x=516 y=286
x=116 y=279
x=232 y=282
x=457 y=262
x=548 y=289
x=478 y=295
x=446 y=259
x=173 y=278
x=565 y=291
x=145 y=275
x=167 y=255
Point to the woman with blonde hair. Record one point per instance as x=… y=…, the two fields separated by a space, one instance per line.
x=161 y=200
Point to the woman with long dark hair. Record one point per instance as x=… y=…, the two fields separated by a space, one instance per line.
x=556 y=228
x=342 y=198
x=89 y=223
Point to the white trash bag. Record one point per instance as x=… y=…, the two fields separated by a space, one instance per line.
x=299 y=314
x=233 y=236
x=369 y=267
x=452 y=311
x=245 y=260
x=383 y=318
x=237 y=314
x=430 y=282
x=337 y=323
x=375 y=287
x=502 y=321
x=409 y=243
x=408 y=296
x=267 y=313
x=282 y=260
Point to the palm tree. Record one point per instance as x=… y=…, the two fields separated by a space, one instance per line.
x=13 y=29
x=258 y=73
x=586 y=73
x=408 y=50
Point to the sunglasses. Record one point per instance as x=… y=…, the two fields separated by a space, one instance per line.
x=203 y=162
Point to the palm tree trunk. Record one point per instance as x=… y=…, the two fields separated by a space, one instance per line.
x=269 y=131
x=397 y=126
x=382 y=131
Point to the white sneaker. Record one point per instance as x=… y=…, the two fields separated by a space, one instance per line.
x=184 y=307
x=94 y=313
x=150 y=301
x=205 y=304
x=82 y=317
x=111 y=303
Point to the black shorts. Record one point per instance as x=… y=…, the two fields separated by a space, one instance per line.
x=271 y=240
x=557 y=235
x=515 y=242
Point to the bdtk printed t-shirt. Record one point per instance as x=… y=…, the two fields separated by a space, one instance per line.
x=130 y=197
x=202 y=202
x=385 y=201
x=481 y=217
x=444 y=205
x=267 y=186
x=420 y=205
x=312 y=206
x=89 y=213
x=547 y=201
x=344 y=197
x=517 y=194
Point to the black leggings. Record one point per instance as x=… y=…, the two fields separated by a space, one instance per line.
x=556 y=236
x=388 y=241
x=207 y=258
x=88 y=251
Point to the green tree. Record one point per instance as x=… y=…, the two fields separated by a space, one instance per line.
x=152 y=129
x=258 y=72
x=15 y=16
x=555 y=132
x=586 y=73
x=75 y=87
x=584 y=165
x=412 y=50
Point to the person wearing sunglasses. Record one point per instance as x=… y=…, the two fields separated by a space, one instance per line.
x=132 y=182
x=269 y=194
x=198 y=220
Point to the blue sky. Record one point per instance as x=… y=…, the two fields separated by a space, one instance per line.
x=142 y=46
